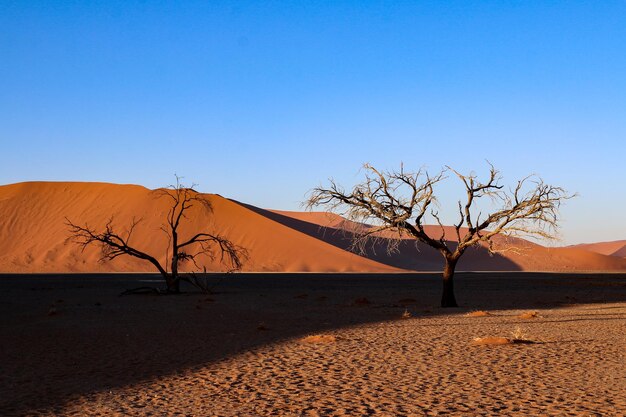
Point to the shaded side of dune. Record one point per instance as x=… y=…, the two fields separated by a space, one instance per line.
x=410 y=255
x=517 y=253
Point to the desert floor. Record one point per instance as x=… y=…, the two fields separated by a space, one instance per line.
x=70 y=345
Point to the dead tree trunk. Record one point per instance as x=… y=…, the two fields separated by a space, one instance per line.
x=399 y=201
x=173 y=283
x=447 y=297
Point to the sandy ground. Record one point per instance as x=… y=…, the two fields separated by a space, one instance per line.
x=71 y=346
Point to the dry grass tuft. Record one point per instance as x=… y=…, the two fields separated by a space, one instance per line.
x=324 y=339
x=529 y=315
x=406 y=314
x=489 y=340
x=478 y=313
x=517 y=336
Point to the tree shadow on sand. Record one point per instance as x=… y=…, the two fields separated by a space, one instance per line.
x=96 y=341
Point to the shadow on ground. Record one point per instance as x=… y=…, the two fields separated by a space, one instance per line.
x=64 y=336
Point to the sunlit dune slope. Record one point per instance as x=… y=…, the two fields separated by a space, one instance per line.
x=614 y=248
x=33 y=233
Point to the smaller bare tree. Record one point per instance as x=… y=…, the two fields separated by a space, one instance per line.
x=400 y=201
x=179 y=249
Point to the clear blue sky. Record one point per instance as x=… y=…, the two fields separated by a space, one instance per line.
x=260 y=101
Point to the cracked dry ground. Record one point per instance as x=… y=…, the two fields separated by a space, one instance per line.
x=420 y=366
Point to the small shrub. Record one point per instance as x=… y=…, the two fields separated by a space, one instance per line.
x=518 y=335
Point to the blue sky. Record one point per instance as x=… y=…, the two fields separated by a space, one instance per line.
x=261 y=101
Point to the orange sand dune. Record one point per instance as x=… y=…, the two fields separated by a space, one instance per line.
x=620 y=253
x=614 y=248
x=33 y=230
x=33 y=236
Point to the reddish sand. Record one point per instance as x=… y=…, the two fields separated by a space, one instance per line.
x=34 y=236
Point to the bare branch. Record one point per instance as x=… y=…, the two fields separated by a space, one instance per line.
x=399 y=201
x=202 y=243
x=112 y=244
x=394 y=200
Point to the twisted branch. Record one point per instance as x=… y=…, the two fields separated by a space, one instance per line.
x=400 y=201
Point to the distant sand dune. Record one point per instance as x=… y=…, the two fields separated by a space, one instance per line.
x=621 y=253
x=614 y=248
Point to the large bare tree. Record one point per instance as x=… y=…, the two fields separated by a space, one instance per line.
x=402 y=202
x=189 y=248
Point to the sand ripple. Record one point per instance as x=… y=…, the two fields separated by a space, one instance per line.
x=423 y=366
